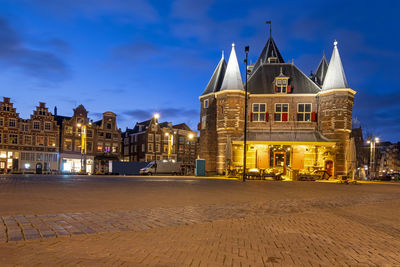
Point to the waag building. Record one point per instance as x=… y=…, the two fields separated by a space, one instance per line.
x=296 y=123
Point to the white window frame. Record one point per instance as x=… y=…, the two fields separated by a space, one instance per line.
x=304 y=113
x=47 y=124
x=281 y=112
x=14 y=122
x=150 y=147
x=34 y=123
x=258 y=114
x=205 y=103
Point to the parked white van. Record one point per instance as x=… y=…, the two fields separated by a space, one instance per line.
x=162 y=167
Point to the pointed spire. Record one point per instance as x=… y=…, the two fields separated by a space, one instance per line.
x=214 y=85
x=270 y=51
x=322 y=68
x=232 y=79
x=335 y=77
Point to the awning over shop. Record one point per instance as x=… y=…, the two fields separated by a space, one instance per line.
x=286 y=138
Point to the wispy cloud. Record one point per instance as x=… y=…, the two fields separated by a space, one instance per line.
x=37 y=63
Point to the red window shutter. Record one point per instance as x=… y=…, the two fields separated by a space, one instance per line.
x=284 y=116
x=276 y=88
x=266 y=116
x=251 y=116
x=199 y=126
x=289 y=88
x=313 y=116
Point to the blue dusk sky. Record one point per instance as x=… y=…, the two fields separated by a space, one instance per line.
x=144 y=56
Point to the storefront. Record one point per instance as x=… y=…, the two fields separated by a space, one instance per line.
x=71 y=163
x=300 y=155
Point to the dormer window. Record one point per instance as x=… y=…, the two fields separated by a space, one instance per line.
x=281 y=85
x=272 y=60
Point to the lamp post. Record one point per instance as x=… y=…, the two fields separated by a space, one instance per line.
x=372 y=142
x=246 y=50
x=190 y=138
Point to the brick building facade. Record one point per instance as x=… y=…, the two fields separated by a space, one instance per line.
x=27 y=145
x=295 y=123
x=150 y=140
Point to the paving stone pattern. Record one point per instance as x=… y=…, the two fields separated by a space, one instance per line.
x=27 y=227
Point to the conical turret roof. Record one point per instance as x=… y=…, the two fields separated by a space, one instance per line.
x=232 y=79
x=335 y=77
x=214 y=85
x=322 y=68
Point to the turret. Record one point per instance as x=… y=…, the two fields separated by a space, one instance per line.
x=336 y=101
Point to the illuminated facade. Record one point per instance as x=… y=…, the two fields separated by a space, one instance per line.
x=296 y=124
x=28 y=145
x=150 y=140
x=87 y=146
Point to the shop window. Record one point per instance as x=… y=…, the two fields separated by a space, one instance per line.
x=304 y=112
x=13 y=139
x=11 y=122
x=258 y=112
x=36 y=125
x=281 y=112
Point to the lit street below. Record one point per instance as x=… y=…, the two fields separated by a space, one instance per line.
x=150 y=220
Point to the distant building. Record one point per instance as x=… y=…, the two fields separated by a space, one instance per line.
x=150 y=140
x=389 y=159
x=85 y=145
x=28 y=145
x=295 y=124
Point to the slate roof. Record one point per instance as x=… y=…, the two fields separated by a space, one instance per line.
x=261 y=79
x=182 y=126
x=232 y=78
x=214 y=85
x=335 y=77
x=270 y=50
x=321 y=71
x=294 y=136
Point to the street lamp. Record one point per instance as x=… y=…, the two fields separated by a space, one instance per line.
x=156 y=116
x=246 y=50
x=83 y=146
x=372 y=142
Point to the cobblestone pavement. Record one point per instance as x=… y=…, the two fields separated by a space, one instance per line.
x=342 y=225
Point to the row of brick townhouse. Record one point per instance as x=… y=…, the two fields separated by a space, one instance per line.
x=49 y=142
x=150 y=140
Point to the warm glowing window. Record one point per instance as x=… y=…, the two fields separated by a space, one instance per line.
x=52 y=141
x=304 y=112
x=28 y=140
x=68 y=130
x=281 y=112
x=99 y=147
x=13 y=139
x=258 y=112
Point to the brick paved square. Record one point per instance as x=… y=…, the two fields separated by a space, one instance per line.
x=197 y=222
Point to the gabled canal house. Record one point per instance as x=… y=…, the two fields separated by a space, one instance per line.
x=296 y=123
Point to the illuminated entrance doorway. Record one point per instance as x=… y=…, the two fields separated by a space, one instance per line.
x=279 y=161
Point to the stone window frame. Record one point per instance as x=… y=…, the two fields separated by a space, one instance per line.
x=28 y=137
x=12 y=122
x=36 y=123
x=258 y=114
x=150 y=147
x=205 y=103
x=282 y=84
x=280 y=113
x=150 y=137
x=38 y=140
x=13 y=139
x=1 y=121
x=203 y=122
x=51 y=140
x=304 y=112
x=47 y=126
